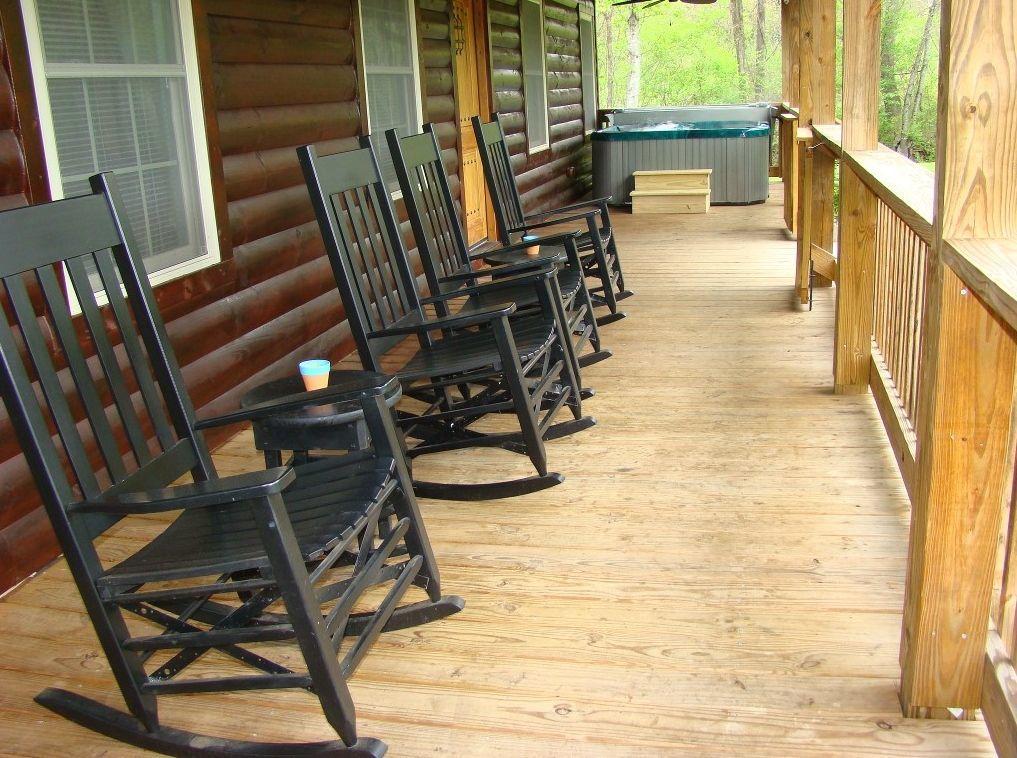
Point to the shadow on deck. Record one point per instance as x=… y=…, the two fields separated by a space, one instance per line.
x=721 y=573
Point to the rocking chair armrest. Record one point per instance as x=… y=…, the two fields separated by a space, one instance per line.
x=535 y=265
x=551 y=239
x=597 y=202
x=214 y=492
x=455 y=321
x=526 y=225
x=347 y=392
x=492 y=286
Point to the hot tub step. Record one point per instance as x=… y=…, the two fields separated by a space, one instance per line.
x=671 y=201
x=674 y=179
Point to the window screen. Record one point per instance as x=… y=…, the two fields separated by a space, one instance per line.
x=587 y=51
x=117 y=88
x=531 y=32
x=391 y=72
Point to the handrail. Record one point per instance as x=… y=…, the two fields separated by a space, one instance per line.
x=906 y=187
x=989 y=268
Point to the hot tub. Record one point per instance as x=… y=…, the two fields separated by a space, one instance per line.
x=737 y=151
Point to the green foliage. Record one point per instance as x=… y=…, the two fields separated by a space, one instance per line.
x=688 y=58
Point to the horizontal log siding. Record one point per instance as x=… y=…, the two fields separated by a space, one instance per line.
x=544 y=177
x=282 y=73
x=26 y=542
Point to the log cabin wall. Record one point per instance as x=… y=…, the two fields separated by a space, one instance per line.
x=550 y=177
x=26 y=541
x=276 y=74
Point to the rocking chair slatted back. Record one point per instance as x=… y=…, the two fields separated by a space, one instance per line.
x=433 y=214
x=494 y=155
x=365 y=245
x=107 y=420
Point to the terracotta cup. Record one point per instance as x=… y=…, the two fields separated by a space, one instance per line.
x=315 y=374
x=532 y=249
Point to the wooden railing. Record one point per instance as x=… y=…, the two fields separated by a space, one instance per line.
x=901 y=257
x=933 y=336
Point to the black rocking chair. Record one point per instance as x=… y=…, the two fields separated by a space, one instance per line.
x=596 y=244
x=270 y=556
x=448 y=263
x=478 y=365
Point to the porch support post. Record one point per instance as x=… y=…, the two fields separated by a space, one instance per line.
x=818 y=54
x=856 y=248
x=967 y=373
x=789 y=41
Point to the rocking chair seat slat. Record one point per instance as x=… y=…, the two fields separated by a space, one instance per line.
x=466 y=351
x=326 y=498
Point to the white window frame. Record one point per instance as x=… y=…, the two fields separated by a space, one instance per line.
x=206 y=223
x=418 y=104
x=530 y=147
x=588 y=18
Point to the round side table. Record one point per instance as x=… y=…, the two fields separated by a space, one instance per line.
x=333 y=426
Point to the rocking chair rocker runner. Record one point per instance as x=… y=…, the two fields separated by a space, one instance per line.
x=596 y=244
x=268 y=556
x=448 y=264
x=480 y=363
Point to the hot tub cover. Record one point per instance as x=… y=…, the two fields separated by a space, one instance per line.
x=682 y=130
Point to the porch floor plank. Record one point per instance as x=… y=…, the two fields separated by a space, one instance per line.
x=721 y=574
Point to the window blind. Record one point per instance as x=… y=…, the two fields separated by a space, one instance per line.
x=390 y=73
x=531 y=32
x=116 y=83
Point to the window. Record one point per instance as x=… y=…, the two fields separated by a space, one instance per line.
x=587 y=52
x=390 y=69
x=531 y=32
x=117 y=87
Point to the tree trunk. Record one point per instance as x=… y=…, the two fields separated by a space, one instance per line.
x=608 y=61
x=758 y=73
x=738 y=35
x=635 y=62
x=889 y=92
x=913 y=92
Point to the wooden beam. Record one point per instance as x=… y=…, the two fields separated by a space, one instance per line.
x=805 y=216
x=968 y=369
x=789 y=161
x=964 y=417
x=818 y=55
x=856 y=248
x=860 y=87
x=855 y=285
x=790 y=31
x=823 y=262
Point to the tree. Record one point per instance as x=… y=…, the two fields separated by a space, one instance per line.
x=738 y=35
x=912 y=99
x=758 y=73
x=635 y=62
x=607 y=55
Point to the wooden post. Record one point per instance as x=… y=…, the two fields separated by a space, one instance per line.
x=856 y=248
x=804 y=212
x=967 y=377
x=789 y=164
x=789 y=44
x=818 y=58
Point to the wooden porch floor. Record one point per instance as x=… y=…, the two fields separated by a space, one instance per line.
x=721 y=573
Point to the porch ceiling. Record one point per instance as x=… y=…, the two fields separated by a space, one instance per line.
x=721 y=573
